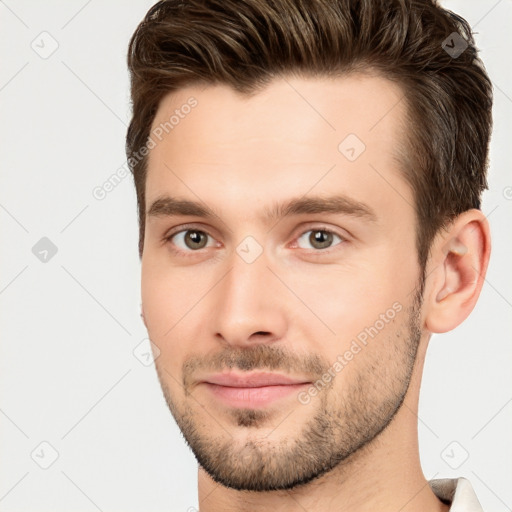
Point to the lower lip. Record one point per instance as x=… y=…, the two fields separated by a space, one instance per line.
x=253 y=397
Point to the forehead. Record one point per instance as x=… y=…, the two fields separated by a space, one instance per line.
x=296 y=135
x=358 y=102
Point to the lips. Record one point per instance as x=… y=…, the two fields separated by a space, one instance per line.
x=258 y=389
x=252 y=380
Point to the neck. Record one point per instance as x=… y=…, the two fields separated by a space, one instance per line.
x=384 y=475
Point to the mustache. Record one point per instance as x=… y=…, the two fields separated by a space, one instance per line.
x=259 y=357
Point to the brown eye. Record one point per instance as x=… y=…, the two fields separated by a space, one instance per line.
x=195 y=239
x=319 y=239
x=188 y=240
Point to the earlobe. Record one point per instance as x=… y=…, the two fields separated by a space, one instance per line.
x=461 y=257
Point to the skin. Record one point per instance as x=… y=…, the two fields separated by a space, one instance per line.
x=296 y=308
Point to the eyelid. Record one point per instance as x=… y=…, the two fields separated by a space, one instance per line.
x=183 y=227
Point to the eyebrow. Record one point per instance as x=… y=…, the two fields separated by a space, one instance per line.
x=338 y=204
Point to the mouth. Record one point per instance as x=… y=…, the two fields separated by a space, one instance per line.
x=252 y=389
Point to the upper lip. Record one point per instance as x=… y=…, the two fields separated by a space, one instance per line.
x=252 y=380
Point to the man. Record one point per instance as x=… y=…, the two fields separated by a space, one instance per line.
x=308 y=177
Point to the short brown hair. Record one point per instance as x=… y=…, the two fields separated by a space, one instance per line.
x=247 y=43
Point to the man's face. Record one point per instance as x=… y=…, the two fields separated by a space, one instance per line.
x=287 y=336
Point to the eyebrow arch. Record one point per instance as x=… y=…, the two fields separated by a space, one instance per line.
x=337 y=204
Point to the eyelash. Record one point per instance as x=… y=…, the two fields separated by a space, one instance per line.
x=184 y=228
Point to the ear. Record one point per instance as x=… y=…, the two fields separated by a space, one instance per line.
x=457 y=265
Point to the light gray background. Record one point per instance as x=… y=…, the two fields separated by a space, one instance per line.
x=68 y=374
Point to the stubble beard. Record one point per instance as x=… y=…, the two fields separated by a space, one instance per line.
x=342 y=425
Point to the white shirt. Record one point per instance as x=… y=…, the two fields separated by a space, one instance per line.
x=458 y=492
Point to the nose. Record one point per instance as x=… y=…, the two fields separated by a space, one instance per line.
x=250 y=305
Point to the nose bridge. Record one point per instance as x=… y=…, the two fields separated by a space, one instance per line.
x=247 y=299
x=245 y=290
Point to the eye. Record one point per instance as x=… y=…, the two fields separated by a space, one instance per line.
x=190 y=239
x=318 y=239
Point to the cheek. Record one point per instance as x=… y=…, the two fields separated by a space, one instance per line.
x=165 y=303
x=162 y=310
x=369 y=324
x=158 y=296
x=167 y=292
x=350 y=298
x=172 y=302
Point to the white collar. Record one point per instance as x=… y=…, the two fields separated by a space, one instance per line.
x=458 y=492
